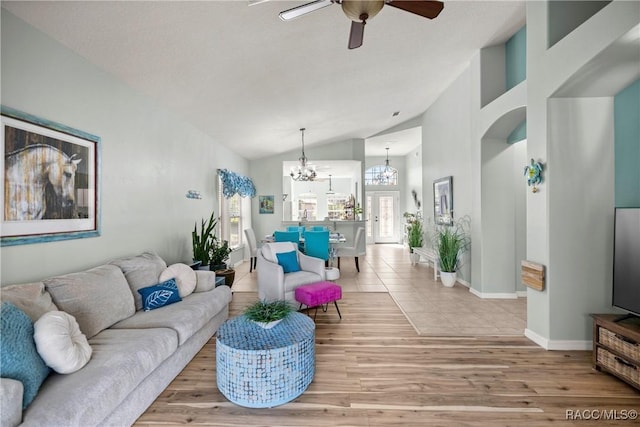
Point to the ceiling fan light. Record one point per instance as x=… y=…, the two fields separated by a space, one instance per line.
x=354 y=9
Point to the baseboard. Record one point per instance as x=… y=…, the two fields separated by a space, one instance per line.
x=464 y=283
x=493 y=295
x=557 y=344
x=521 y=294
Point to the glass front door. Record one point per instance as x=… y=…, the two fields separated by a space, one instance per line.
x=382 y=216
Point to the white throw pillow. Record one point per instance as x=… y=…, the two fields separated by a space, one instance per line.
x=184 y=275
x=60 y=343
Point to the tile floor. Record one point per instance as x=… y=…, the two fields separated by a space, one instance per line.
x=432 y=309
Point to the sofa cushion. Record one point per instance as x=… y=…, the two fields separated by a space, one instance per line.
x=141 y=271
x=160 y=295
x=10 y=402
x=184 y=275
x=32 y=298
x=97 y=298
x=288 y=261
x=19 y=358
x=205 y=280
x=186 y=317
x=121 y=360
x=60 y=343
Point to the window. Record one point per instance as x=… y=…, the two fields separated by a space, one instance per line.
x=230 y=218
x=307 y=207
x=381 y=175
x=336 y=205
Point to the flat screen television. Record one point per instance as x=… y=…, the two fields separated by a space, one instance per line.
x=626 y=260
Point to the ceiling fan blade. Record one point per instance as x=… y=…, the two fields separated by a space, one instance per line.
x=303 y=9
x=427 y=8
x=356 y=35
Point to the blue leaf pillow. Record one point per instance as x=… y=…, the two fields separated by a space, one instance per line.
x=19 y=356
x=159 y=295
x=288 y=261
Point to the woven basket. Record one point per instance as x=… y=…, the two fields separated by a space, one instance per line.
x=611 y=340
x=616 y=364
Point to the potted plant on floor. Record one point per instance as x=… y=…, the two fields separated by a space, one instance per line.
x=219 y=254
x=268 y=314
x=451 y=241
x=416 y=240
x=201 y=242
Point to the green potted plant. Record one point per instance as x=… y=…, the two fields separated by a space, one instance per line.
x=202 y=241
x=267 y=314
x=416 y=240
x=219 y=254
x=451 y=241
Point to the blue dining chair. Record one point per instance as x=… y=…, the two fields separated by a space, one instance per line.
x=319 y=228
x=299 y=229
x=287 y=236
x=316 y=244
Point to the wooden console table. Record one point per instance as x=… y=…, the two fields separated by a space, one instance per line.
x=616 y=347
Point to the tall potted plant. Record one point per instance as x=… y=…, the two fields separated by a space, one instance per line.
x=202 y=241
x=451 y=241
x=416 y=239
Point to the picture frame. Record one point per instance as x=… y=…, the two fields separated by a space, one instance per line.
x=266 y=204
x=51 y=180
x=443 y=201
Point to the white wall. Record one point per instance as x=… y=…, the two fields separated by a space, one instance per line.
x=581 y=213
x=150 y=157
x=413 y=178
x=446 y=150
x=570 y=136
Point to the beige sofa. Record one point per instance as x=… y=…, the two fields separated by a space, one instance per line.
x=135 y=353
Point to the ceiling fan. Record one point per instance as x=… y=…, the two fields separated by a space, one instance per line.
x=359 y=11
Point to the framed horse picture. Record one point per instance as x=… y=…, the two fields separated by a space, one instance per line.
x=50 y=181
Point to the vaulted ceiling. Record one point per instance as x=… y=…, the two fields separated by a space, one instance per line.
x=251 y=81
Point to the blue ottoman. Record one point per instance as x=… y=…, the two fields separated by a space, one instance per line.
x=262 y=368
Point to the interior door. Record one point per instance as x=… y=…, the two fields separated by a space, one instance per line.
x=383 y=216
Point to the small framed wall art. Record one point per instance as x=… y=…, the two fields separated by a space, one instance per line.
x=443 y=200
x=266 y=204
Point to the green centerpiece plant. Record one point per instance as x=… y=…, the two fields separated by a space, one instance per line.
x=268 y=313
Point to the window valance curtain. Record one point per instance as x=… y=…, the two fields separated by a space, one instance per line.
x=233 y=183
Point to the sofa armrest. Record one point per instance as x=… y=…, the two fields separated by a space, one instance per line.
x=270 y=279
x=205 y=280
x=312 y=264
x=10 y=402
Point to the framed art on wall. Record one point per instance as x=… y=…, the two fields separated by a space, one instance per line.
x=443 y=200
x=50 y=180
x=266 y=204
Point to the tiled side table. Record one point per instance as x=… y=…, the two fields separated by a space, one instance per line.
x=262 y=368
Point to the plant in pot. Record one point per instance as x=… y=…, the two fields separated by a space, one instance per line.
x=267 y=314
x=451 y=241
x=416 y=240
x=202 y=241
x=219 y=254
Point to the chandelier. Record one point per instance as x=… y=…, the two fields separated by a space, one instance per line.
x=304 y=171
x=387 y=173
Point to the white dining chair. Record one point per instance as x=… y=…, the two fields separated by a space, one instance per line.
x=353 y=251
x=253 y=247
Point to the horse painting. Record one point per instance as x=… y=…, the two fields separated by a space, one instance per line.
x=27 y=174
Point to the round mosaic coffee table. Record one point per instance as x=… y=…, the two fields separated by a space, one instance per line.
x=262 y=368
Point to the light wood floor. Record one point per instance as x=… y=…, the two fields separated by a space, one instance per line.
x=373 y=369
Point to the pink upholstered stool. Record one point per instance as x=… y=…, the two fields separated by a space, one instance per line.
x=319 y=294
